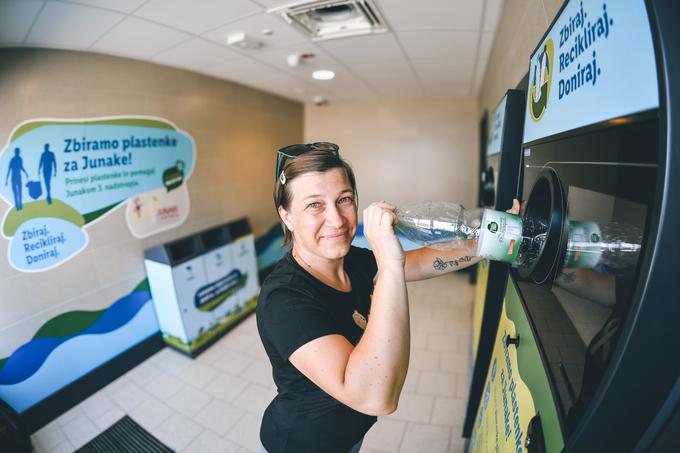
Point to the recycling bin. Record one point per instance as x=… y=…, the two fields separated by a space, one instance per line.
x=203 y=284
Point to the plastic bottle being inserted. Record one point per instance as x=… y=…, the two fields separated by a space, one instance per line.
x=449 y=226
x=501 y=236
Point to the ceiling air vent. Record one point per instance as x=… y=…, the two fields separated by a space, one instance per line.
x=328 y=19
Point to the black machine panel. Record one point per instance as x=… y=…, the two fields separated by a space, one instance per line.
x=596 y=279
x=501 y=184
x=607 y=178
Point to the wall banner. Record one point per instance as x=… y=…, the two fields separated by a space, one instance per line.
x=62 y=175
x=595 y=63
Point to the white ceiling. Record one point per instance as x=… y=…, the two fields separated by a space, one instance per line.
x=436 y=49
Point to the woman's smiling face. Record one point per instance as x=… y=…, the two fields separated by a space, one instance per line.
x=323 y=214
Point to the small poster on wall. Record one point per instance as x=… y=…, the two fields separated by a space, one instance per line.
x=62 y=175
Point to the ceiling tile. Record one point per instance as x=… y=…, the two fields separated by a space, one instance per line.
x=446 y=44
x=492 y=14
x=363 y=48
x=449 y=91
x=195 y=54
x=196 y=16
x=430 y=52
x=432 y=14
x=124 y=6
x=70 y=26
x=345 y=86
x=277 y=58
x=239 y=69
x=275 y=3
x=139 y=38
x=398 y=89
x=395 y=83
x=283 y=34
x=479 y=77
x=437 y=71
x=287 y=86
x=485 y=44
x=16 y=17
x=380 y=68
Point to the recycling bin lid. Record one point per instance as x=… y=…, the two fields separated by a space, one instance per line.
x=240 y=227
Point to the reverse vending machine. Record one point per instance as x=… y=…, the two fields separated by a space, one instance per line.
x=583 y=354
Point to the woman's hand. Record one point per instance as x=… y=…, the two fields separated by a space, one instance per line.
x=379 y=220
x=515 y=207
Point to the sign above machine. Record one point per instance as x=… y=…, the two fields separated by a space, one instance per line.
x=496 y=129
x=595 y=63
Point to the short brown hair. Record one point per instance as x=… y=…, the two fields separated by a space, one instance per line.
x=310 y=162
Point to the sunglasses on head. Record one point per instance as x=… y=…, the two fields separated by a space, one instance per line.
x=293 y=151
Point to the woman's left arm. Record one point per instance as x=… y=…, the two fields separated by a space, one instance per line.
x=424 y=263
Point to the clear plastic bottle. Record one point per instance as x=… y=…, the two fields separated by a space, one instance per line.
x=448 y=226
x=613 y=245
x=506 y=237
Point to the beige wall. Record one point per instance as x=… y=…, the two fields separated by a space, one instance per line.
x=404 y=151
x=235 y=128
x=522 y=24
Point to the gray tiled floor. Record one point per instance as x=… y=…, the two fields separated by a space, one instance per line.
x=214 y=403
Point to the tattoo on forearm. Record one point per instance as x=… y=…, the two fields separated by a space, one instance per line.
x=440 y=265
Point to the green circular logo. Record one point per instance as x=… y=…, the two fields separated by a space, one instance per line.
x=493 y=227
x=594 y=237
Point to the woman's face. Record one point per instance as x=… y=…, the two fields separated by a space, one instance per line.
x=322 y=214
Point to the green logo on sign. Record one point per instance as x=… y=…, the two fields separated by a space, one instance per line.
x=541 y=77
x=173 y=177
x=594 y=237
x=493 y=227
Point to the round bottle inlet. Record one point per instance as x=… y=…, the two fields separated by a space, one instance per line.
x=543 y=227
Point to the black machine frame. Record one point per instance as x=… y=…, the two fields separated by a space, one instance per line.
x=639 y=394
x=507 y=188
x=639 y=381
x=636 y=406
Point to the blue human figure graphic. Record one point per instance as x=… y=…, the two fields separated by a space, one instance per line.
x=16 y=166
x=48 y=164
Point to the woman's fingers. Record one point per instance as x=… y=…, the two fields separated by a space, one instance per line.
x=379 y=215
x=515 y=207
x=387 y=218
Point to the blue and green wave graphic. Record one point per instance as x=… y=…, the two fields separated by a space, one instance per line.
x=29 y=358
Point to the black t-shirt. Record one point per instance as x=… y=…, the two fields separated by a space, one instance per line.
x=293 y=309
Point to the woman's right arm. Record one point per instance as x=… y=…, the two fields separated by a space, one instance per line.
x=368 y=377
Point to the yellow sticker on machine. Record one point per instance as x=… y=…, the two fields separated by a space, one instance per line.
x=507 y=406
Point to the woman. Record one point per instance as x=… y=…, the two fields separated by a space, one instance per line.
x=336 y=368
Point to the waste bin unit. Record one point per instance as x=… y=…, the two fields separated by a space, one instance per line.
x=203 y=284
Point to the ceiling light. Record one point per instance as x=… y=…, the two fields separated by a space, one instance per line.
x=323 y=74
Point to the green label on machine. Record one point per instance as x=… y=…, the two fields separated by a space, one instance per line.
x=500 y=236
